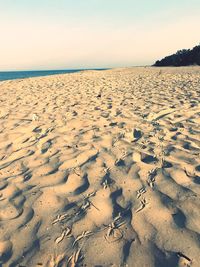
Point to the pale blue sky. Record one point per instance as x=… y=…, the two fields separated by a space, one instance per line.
x=64 y=34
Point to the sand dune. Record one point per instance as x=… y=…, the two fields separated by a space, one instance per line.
x=101 y=168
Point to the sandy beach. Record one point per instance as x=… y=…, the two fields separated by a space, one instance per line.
x=101 y=168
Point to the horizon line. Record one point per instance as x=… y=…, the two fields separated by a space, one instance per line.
x=78 y=69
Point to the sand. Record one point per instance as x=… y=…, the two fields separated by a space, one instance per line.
x=101 y=168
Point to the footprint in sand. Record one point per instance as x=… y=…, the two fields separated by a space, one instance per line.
x=77 y=184
x=133 y=135
x=5 y=251
x=81 y=159
x=9 y=212
x=148 y=159
x=46 y=146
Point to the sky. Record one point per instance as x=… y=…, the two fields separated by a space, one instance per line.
x=73 y=34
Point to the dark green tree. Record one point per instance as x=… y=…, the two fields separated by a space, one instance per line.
x=184 y=57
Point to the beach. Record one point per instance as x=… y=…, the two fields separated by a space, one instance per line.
x=101 y=168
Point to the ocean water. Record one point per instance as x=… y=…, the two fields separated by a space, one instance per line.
x=12 y=75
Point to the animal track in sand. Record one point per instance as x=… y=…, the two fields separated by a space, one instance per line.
x=83 y=235
x=113 y=233
x=65 y=233
x=75 y=258
x=143 y=204
x=140 y=192
x=60 y=218
x=151 y=177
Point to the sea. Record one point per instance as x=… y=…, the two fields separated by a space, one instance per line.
x=12 y=75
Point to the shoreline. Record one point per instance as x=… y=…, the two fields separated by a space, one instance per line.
x=85 y=70
x=45 y=73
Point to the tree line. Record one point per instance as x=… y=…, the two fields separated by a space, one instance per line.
x=184 y=57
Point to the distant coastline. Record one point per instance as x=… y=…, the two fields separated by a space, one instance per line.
x=13 y=75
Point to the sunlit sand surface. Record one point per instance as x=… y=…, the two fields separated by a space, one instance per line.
x=101 y=168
